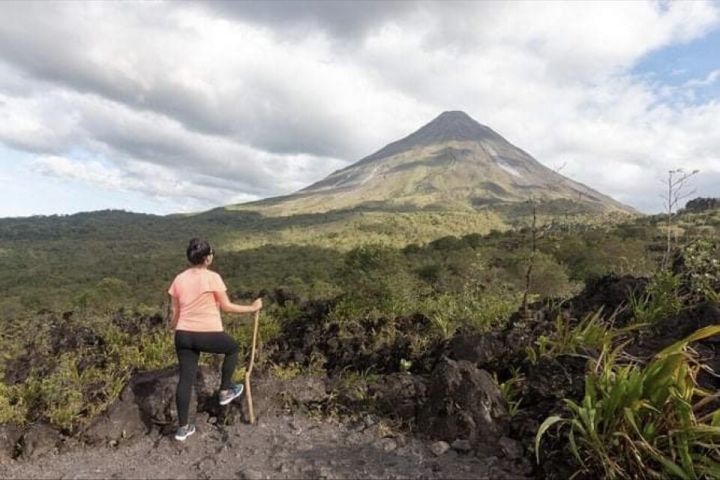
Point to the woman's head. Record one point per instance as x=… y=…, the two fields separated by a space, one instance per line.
x=198 y=251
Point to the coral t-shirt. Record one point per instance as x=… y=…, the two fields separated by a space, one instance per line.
x=195 y=291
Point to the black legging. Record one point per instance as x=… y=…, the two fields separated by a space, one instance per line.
x=188 y=346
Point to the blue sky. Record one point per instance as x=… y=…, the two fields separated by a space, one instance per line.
x=184 y=106
x=677 y=64
x=31 y=193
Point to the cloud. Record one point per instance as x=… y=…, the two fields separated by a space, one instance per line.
x=711 y=78
x=226 y=100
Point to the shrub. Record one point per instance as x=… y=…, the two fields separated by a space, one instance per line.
x=12 y=405
x=702 y=259
x=661 y=299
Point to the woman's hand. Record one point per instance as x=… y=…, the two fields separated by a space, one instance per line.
x=227 y=306
x=257 y=304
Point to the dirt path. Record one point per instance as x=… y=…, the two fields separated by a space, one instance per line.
x=277 y=447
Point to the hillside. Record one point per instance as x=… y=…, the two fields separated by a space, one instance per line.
x=451 y=164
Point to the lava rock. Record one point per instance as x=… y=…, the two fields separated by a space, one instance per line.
x=399 y=394
x=148 y=401
x=40 y=439
x=461 y=445
x=464 y=402
x=511 y=448
x=484 y=350
x=9 y=437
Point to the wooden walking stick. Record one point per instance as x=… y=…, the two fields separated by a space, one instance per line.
x=249 y=370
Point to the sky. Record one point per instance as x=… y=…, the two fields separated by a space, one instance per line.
x=164 y=107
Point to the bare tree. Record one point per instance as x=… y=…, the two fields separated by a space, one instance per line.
x=536 y=233
x=676 y=192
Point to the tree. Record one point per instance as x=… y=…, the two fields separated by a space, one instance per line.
x=676 y=191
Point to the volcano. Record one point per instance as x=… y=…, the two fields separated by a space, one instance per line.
x=452 y=163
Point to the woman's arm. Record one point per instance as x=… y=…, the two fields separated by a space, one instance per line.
x=175 y=312
x=227 y=306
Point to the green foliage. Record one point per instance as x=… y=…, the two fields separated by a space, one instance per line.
x=108 y=295
x=12 y=404
x=479 y=310
x=511 y=390
x=549 y=278
x=286 y=372
x=702 y=260
x=596 y=253
x=590 y=334
x=661 y=299
x=352 y=388
x=61 y=393
x=639 y=421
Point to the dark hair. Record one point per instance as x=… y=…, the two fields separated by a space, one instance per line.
x=197 y=250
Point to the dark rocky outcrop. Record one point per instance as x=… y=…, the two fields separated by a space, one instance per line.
x=399 y=394
x=148 y=402
x=464 y=403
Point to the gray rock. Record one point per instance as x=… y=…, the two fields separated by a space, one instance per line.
x=399 y=394
x=122 y=420
x=461 y=445
x=511 y=448
x=148 y=401
x=9 y=436
x=464 y=402
x=370 y=420
x=439 y=448
x=40 y=440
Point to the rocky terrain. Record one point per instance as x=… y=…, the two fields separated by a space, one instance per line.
x=440 y=411
x=134 y=440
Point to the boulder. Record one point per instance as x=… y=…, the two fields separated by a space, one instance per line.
x=464 y=402
x=123 y=419
x=399 y=394
x=148 y=402
x=38 y=440
x=484 y=350
x=511 y=448
x=9 y=437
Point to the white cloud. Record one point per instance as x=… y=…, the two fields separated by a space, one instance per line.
x=219 y=103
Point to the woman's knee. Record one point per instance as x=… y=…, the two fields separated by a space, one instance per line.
x=234 y=347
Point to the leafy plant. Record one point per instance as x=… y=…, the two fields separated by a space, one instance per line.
x=662 y=299
x=591 y=333
x=639 y=421
x=511 y=390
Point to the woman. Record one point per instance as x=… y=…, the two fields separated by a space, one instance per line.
x=198 y=294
